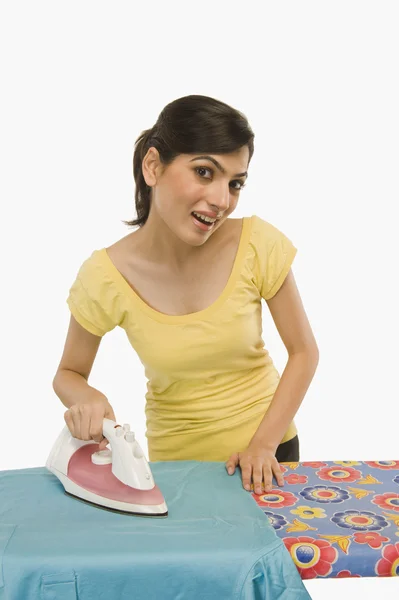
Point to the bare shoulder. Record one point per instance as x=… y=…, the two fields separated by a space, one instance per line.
x=120 y=248
x=234 y=224
x=230 y=231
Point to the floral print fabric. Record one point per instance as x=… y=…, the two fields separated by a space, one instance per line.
x=338 y=519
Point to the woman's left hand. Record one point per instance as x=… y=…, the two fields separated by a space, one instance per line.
x=256 y=463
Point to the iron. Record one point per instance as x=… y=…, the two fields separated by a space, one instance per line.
x=118 y=479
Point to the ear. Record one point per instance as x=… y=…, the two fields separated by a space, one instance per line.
x=152 y=166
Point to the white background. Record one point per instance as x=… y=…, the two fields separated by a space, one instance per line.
x=318 y=82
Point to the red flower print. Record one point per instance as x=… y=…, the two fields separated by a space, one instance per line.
x=339 y=474
x=385 y=465
x=346 y=574
x=314 y=465
x=313 y=558
x=294 y=478
x=388 y=501
x=373 y=539
x=388 y=565
x=276 y=498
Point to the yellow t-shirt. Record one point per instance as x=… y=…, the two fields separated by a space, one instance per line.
x=210 y=379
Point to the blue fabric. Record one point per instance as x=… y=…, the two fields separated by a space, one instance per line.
x=215 y=544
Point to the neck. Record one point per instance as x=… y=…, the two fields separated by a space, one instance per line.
x=163 y=247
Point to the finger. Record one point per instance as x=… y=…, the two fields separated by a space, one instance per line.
x=109 y=413
x=69 y=421
x=232 y=463
x=257 y=476
x=84 y=422
x=277 y=472
x=76 y=420
x=246 y=476
x=267 y=477
x=103 y=444
x=96 y=427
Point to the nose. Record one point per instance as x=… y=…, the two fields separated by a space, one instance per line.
x=221 y=202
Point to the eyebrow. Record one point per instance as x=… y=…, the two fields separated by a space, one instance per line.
x=218 y=165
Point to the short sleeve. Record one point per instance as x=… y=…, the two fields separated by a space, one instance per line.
x=91 y=298
x=275 y=254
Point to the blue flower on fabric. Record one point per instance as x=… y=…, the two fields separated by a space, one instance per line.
x=324 y=494
x=276 y=521
x=396 y=479
x=360 y=520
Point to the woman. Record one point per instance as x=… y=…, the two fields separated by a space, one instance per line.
x=187 y=287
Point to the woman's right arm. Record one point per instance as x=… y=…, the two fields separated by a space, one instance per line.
x=72 y=388
x=87 y=406
x=71 y=379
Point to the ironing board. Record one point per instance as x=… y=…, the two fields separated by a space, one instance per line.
x=338 y=519
x=215 y=544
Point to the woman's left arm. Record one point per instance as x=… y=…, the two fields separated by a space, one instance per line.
x=290 y=392
x=258 y=460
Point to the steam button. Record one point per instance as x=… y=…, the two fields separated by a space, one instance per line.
x=137 y=451
x=103 y=457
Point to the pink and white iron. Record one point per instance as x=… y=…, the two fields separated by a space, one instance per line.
x=119 y=479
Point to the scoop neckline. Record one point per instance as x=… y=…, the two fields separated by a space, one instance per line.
x=130 y=293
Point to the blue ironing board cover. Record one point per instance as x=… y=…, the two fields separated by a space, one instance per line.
x=338 y=519
x=215 y=544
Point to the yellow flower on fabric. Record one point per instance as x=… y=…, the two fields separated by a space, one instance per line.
x=346 y=463
x=307 y=512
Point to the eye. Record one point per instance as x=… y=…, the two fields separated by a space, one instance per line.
x=242 y=184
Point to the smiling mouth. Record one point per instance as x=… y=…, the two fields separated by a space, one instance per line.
x=202 y=219
x=205 y=226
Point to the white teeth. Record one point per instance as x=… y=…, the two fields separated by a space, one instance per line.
x=208 y=219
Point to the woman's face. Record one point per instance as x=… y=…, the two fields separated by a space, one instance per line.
x=192 y=183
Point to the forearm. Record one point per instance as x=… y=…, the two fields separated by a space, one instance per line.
x=72 y=388
x=290 y=392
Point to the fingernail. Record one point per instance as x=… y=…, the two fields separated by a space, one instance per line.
x=230 y=471
x=246 y=487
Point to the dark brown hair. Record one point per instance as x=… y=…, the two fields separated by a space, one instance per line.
x=190 y=125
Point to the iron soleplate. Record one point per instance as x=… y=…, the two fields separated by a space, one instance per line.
x=116 y=510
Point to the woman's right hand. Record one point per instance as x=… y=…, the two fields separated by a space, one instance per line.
x=85 y=421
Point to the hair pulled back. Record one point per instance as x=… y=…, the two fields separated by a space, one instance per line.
x=189 y=125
